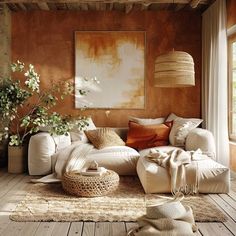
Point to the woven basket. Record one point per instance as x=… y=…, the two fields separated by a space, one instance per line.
x=90 y=186
x=17 y=159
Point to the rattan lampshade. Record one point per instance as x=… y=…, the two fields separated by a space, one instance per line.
x=174 y=69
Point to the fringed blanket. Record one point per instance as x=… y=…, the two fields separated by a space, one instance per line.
x=175 y=162
x=69 y=159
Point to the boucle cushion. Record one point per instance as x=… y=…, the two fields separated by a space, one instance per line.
x=41 y=147
x=146 y=136
x=144 y=121
x=180 y=129
x=104 y=137
x=79 y=135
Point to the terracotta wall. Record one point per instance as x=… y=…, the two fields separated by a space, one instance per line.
x=231 y=13
x=46 y=39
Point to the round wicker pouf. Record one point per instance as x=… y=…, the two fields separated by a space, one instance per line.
x=90 y=186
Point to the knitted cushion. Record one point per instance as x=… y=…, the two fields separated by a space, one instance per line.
x=104 y=137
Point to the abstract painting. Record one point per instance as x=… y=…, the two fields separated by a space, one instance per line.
x=117 y=60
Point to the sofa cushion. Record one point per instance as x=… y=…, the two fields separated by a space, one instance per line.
x=213 y=177
x=121 y=159
x=145 y=136
x=201 y=139
x=41 y=147
x=104 y=137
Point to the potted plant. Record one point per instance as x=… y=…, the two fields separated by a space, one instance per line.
x=24 y=108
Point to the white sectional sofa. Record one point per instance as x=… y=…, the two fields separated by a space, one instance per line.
x=42 y=147
x=213 y=177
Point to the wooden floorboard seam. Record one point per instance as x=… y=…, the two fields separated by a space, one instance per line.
x=224 y=205
x=230 y=223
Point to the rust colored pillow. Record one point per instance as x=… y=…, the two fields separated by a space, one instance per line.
x=147 y=136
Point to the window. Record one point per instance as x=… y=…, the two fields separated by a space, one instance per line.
x=232 y=86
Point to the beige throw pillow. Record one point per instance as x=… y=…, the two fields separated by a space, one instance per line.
x=180 y=130
x=104 y=137
x=147 y=121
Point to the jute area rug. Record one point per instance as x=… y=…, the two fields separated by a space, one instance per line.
x=48 y=202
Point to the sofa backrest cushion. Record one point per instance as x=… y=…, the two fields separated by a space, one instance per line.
x=201 y=139
x=147 y=121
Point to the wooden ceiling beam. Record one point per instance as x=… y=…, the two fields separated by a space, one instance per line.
x=108 y=1
x=61 y=6
x=128 y=7
x=52 y=6
x=103 y=6
x=12 y=7
x=179 y=7
x=110 y=6
x=194 y=3
x=73 y=6
x=144 y=6
x=84 y=6
x=22 y=6
x=43 y=6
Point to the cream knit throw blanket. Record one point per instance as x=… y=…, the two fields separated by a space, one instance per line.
x=175 y=162
x=71 y=158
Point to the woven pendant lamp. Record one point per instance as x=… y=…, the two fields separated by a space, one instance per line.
x=174 y=69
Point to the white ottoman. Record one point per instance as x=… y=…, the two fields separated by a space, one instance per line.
x=214 y=177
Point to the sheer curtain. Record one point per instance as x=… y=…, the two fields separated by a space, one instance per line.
x=214 y=77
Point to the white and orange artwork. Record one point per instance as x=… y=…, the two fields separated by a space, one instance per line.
x=117 y=60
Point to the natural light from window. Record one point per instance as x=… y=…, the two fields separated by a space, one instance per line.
x=232 y=87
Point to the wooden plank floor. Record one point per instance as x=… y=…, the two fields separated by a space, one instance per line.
x=14 y=187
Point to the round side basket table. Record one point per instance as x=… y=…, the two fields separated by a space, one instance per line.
x=89 y=185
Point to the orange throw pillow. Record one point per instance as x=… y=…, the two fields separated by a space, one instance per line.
x=147 y=136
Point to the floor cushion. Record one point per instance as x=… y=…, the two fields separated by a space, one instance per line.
x=121 y=159
x=213 y=177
